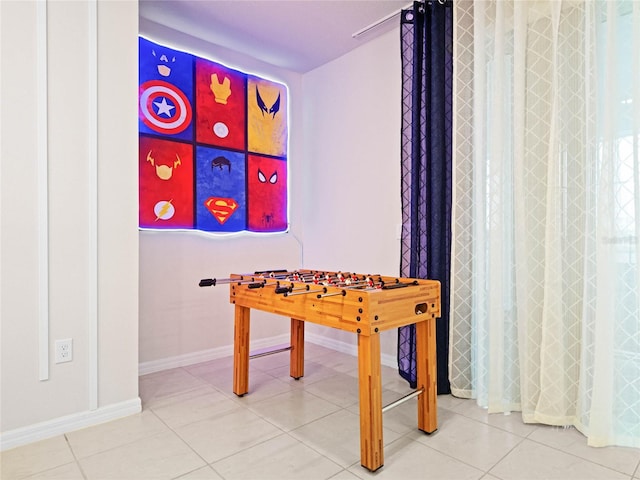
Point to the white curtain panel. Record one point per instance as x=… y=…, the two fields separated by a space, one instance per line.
x=545 y=315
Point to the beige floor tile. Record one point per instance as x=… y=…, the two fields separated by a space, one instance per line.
x=218 y=364
x=338 y=361
x=341 y=389
x=306 y=429
x=511 y=422
x=204 y=473
x=390 y=395
x=220 y=378
x=313 y=350
x=219 y=373
x=570 y=440
x=451 y=403
x=223 y=435
x=293 y=409
x=70 y=471
x=181 y=397
x=263 y=386
x=470 y=441
x=337 y=436
x=96 y=439
x=313 y=372
x=269 y=362
x=406 y=459
x=159 y=385
x=391 y=380
x=344 y=475
x=281 y=458
x=533 y=461
x=163 y=456
x=209 y=402
x=404 y=417
x=36 y=457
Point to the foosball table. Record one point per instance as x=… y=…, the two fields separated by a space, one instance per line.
x=363 y=304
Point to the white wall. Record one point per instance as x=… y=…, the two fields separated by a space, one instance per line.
x=181 y=323
x=352 y=121
x=344 y=207
x=85 y=224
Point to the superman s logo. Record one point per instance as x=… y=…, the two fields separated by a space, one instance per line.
x=221 y=208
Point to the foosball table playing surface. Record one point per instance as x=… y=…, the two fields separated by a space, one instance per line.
x=365 y=305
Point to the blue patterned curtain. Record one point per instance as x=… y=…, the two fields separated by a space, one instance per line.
x=427 y=68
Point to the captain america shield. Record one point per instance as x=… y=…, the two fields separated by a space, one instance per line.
x=164 y=108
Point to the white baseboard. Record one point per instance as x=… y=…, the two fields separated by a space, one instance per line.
x=263 y=344
x=192 y=358
x=68 y=423
x=168 y=363
x=76 y=421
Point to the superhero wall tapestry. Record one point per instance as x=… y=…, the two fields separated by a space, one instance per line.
x=213 y=145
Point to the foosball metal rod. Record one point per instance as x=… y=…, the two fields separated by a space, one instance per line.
x=350 y=282
x=244 y=278
x=273 y=272
x=402 y=400
x=261 y=284
x=323 y=290
x=283 y=276
x=305 y=278
x=282 y=289
x=212 y=282
x=270 y=352
x=363 y=285
x=342 y=292
x=319 y=278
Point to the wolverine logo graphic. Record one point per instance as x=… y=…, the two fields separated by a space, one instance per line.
x=275 y=108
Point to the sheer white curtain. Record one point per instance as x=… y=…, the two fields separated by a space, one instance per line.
x=545 y=315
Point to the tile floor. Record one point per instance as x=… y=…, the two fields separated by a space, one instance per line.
x=193 y=427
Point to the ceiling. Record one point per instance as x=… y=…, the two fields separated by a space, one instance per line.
x=297 y=35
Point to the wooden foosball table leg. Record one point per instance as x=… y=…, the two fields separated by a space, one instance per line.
x=370 y=383
x=426 y=372
x=296 y=364
x=241 y=350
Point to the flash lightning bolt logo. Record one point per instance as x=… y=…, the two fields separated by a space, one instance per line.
x=164 y=210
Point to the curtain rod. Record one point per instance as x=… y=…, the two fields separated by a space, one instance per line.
x=386 y=19
x=380 y=22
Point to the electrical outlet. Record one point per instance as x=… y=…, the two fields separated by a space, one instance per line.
x=64 y=350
